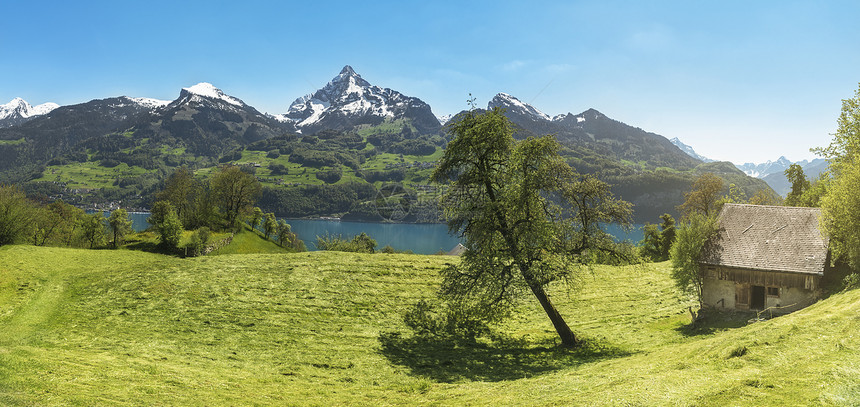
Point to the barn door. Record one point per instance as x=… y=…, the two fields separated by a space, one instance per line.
x=757 y=297
x=742 y=296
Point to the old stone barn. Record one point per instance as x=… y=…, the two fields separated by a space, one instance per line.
x=765 y=257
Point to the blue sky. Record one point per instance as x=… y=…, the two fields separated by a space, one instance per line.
x=737 y=80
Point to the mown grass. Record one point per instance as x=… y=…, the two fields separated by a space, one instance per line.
x=81 y=327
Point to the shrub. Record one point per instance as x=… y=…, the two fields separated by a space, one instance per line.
x=359 y=244
x=199 y=240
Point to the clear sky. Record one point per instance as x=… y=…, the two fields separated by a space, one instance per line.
x=737 y=80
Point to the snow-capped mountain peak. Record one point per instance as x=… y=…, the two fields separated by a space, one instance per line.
x=689 y=150
x=767 y=168
x=515 y=106
x=348 y=100
x=445 y=118
x=208 y=90
x=18 y=111
x=19 y=108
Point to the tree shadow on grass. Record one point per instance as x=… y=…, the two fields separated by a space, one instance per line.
x=450 y=360
x=712 y=321
x=151 y=247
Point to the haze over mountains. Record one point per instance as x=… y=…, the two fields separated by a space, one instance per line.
x=772 y=172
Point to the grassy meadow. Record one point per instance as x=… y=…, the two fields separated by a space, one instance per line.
x=123 y=327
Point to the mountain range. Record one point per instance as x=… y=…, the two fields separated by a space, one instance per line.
x=772 y=172
x=337 y=128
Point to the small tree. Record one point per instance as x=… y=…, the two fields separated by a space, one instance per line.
x=120 y=225
x=256 y=217
x=364 y=243
x=170 y=230
x=46 y=223
x=70 y=220
x=667 y=234
x=270 y=225
x=93 y=229
x=704 y=196
x=287 y=238
x=799 y=185
x=657 y=242
x=763 y=197
x=158 y=212
x=695 y=232
x=199 y=240
x=284 y=232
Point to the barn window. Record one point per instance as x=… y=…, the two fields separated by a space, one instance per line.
x=773 y=291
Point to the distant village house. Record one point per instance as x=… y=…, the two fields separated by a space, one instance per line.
x=765 y=257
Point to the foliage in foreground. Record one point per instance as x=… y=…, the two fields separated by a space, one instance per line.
x=692 y=238
x=841 y=204
x=504 y=197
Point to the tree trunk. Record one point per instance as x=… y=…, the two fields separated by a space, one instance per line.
x=568 y=339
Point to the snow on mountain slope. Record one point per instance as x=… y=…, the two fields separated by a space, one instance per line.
x=348 y=100
x=208 y=90
x=19 y=107
x=19 y=111
x=764 y=169
x=151 y=103
x=689 y=150
x=515 y=106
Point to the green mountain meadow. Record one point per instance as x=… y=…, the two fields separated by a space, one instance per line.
x=121 y=327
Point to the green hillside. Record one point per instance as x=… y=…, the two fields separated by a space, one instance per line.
x=131 y=328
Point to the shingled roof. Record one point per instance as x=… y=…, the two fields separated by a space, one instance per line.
x=770 y=238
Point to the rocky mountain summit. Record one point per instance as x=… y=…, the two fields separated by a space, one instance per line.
x=348 y=101
x=18 y=111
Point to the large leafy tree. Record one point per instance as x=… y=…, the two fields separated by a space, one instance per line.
x=527 y=218
x=180 y=189
x=16 y=214
x=235 y=192
x=841 y=204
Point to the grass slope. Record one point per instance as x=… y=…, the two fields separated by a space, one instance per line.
x=250 y=242
x=128 y=328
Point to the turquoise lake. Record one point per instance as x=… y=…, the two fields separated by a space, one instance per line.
x=419 y=238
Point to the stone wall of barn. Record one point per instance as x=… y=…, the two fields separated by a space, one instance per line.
x=731 y=289
x=718 y=294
